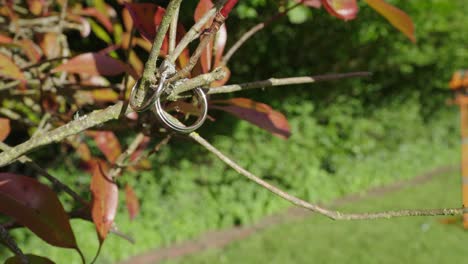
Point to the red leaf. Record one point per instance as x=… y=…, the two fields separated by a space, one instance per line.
x=227 y=7
x=108 y=143
x=311 y=3
x=206 y=56
x=256 y=113
x=342 y=9
x=36 y=6
x=202 y=7
x=49 y=44
x=5 y=40
x=32 y=51
x=220 y=43
x=395 y=16
x=95 y=64
x=103 y=18
x=4 y=128
x=133 y=206
x=37 y=207
x=33 y=259
x=8 y=69
x=104 y=199
x=146 y=17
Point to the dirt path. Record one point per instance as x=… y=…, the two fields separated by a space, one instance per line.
x=221 y=238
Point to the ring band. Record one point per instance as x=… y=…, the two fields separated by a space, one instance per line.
x=163 y=116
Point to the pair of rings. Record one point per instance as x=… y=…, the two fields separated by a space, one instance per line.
x=165 y=118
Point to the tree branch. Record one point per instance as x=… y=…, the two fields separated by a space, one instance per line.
x=10 y=243
x=335 y=215
x=149 y=77
x=285 y=81
x=74 y=127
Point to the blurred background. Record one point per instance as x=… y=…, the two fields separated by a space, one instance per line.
x=347 y=136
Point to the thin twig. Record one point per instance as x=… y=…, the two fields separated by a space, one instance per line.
x=201 y=80
x=173 y=31
x=194 y=31
x=335 y=215
x=285 y=81
x=149 y=77
x=11 y=244
x=120 y=161
x=74 y=127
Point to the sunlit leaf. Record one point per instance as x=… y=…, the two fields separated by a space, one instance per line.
x=32 y=51
x=256 y=113
x=9 y=69
x=108 y=143
x=311 y=3
x=342 y=9
x=459 y=79
x=33 y=259
x=37 y=207
x=104 y=199
x=206 y=56
x=100 y=32
x=102 y=17
x=220 y=43
x=4 y=128
x=133 y=206
x=5 y=40
x=395 y=16
x=95 y=64
x=50 y=45
x=36 y=6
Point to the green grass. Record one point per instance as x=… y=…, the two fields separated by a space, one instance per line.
x=317 y=239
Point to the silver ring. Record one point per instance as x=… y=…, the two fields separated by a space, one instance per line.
x=179 y=127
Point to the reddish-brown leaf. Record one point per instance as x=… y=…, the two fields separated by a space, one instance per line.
x=146 y=17
x=49 y=45
x=228 y=7
x=95 y=64
x=342 y=9
x=311 y=3
x=256 y=113
x=395 y=16
x=133 y=206
x=104 y=199
x=220 y=43
x=4 y=128
x=206 y=56
x=8 y=69
x=5 y=40
x=459 y=80
x=108 y=143
x=32 y=51
x=36 y=6
x=37 y=207
x=33 y=259
x=102 y=17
